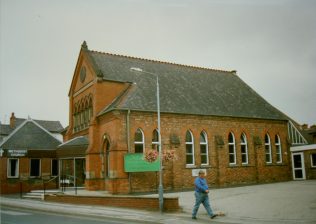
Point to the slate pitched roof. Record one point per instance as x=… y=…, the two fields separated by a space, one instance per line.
x=183 y=89
x=30 y=135
x=51 y=126
x=80 y=141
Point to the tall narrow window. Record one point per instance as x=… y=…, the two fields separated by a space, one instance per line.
x=139 y=141
x=155 y=140
x=54 y=167
x=203 y=148
x=90 y=108
x=244 y=149
x=267 y=146
x=189 y=145
x=278 y=149
x=13 y=168
x=35 y=167
x=313 y=160
x=107 y=158
x=231 y=149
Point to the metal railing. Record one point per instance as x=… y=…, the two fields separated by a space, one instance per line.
x=69 y=180
x=61 y=181
x=50 y=180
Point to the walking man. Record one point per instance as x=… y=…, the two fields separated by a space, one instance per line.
x=201 y=196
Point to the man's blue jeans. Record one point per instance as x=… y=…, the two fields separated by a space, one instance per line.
x=201 y=198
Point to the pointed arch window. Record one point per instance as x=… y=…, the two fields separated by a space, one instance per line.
x=107 y=159
x=278 y=149
x=231 y=149
x=267 y=146
x=83 y=112
x=155 y=140
x=90 y=109
x=244 y=149
x=139 y=141
x=189 y=145
x=204 y=148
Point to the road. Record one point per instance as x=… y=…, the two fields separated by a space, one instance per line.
x=22 y=216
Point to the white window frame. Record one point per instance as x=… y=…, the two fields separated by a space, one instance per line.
x=139 y=142
x=233 y=144
x=203 y=133
x=267 y=149
x=9 y=168
x=278 y=149
x=51 y=168
x=314 y=166
x=192 y=145
x=40 y=167
x=243 y=142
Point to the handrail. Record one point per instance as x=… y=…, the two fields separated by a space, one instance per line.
x=44 y=183
x=51 y=179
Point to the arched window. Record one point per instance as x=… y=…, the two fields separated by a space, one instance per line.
x=231 y=149
x=139 y=141
x=203 y=148
x=90 y=110
x=155 y=140
x=189 y=145
x=83 y=111
x=74 y=118
x=86 y=115
x=278 y=149
x=81 y=115
x=267 y=146
x=107 y=158
x=244 y=149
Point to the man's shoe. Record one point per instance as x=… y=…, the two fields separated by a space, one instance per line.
x=193 y=217
x=213 y=216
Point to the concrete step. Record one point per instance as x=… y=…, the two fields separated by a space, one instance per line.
x=39 y=194
x=50 y=191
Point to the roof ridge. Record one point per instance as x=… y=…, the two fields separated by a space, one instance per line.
x=37 y=119
x=164 y=62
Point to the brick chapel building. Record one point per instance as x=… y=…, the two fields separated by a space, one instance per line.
x=210 y=118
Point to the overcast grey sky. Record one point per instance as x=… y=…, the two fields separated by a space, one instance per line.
x=271 y=44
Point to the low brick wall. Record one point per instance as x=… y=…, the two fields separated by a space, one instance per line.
x=147 y=203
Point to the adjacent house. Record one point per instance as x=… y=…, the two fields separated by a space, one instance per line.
x=304 y=156
x=28 y=154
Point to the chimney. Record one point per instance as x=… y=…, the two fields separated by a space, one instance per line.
x=12 y=120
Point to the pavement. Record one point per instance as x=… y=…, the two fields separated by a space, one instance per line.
x=286 y=202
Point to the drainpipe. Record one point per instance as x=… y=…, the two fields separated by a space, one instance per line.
x=128 y=131
x=128 y=146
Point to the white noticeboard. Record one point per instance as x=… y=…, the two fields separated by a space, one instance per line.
x=195 y=172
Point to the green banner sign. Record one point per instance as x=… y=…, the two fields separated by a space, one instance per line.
x=134 y=162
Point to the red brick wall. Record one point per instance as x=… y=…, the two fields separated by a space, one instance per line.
x=148 y=203
x=177 y=175
x=310 y=171
x=24 y=183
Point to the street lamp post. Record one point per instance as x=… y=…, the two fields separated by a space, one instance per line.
x=160 y=188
